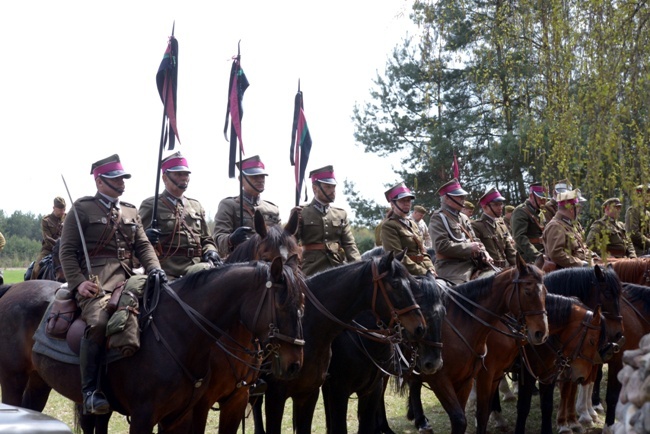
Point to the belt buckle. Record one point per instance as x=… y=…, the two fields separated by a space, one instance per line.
x=120 y=253
x=190 y=252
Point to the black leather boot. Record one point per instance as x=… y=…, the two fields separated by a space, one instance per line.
x=94 y=401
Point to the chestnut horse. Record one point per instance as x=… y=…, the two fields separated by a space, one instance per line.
x=473 y=311
x=335 y=297
x=175 y=346
x=361 y=365
x=569 y=352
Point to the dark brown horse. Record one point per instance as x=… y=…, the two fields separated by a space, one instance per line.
x=635 y=271
x=175 y=347
x=473 y=311
x=574 y=333
x=335 y=297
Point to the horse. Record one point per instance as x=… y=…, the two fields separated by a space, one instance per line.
x=361 y=365
x=49 y=267
x=176 y=342
x=635 y=310
x=604 y=290
x=334 y=298
x=236 y=358
x=635 y=271
x=574 y=333
x=473 y=310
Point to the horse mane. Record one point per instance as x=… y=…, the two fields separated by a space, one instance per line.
x=473 y=290
x=579 y=281
x=429 y=293
x=4 y=288
x=559 y=308
x=636 y=292
x=629 y=270
x=244 y=251
x=276 y=236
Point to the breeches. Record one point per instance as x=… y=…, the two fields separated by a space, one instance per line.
x=93 y=312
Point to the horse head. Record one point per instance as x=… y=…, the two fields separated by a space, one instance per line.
x=581 y=345
x=429 y=349
x=392 y=294
x=608 y=289
x=527 y=299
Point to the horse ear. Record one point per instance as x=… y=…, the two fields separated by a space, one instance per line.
x=293 y=262
x=521 y=265
x=599 y=273
x=400 y=255
x=260 y=224
x=386 y=261
x=277 y=269
x=597 y=313
x=292 y=225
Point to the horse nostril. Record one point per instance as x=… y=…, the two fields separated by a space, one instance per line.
x=294 y=368
x=419 y=332
x=540 y=336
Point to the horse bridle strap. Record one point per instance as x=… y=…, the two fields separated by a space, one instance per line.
x=274 y=331
x=378 y=282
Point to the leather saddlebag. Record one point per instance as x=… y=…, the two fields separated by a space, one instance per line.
x=63 y=313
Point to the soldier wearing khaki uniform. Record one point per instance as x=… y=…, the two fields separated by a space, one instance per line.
x=527 y=223
x=418 y=217
x=229 y=231
x=324 y=231
x=51 y=227
x=458 y=250
x=492 y=230
x=113 y=234
x=550 y=207
x=607 y=235
x=181 y=238
x=637 y=221
x=563 y=241
x=399 y=232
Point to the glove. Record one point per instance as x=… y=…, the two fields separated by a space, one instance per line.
x=153 y=235
x=213 y=257
x=159 y=274
x=239 y=235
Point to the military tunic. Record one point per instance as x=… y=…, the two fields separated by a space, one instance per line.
x=424 y=231
x=228 y=218
x=398 y=234
x=326 y=238
x=452 y=237
x=549 y=209
x=564 y=243
x=497 y=240
x=527 y=227
x=637 y=226
x=612 y=232
x=113 y=236
x=51 y=227
x=185 y=235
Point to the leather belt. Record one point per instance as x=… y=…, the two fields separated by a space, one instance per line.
x=500 y=264
x=120 y=254
x=617 y=252
x=439 y=256
x=315 y=246
x=190 y=252
x=416 y=258
x=536 y=240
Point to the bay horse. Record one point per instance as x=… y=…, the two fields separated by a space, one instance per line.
x=569 y=352
x=236 y=358
x=635 y=271
x=362 y=365
x=473 y=311
x=334 y=298
x=175 y=346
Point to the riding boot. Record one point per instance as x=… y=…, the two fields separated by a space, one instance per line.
x=257 y=388
x=94 y=401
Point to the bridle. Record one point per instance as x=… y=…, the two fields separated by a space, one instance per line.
x=393 y=332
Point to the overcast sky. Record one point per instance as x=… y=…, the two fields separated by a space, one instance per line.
x=78 y=84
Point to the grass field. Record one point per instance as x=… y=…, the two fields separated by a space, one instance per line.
x=62 y=409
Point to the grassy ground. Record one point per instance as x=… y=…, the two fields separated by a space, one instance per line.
x=62 y=409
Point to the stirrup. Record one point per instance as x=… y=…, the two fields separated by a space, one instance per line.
x=95 y=403
x=258 y=388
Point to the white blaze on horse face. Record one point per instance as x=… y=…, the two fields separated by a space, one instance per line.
x=284 y=252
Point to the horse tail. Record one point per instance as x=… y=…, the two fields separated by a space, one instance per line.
x=5 y=288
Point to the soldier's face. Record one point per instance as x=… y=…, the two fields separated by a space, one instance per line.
x=324 y=193
x=613 y=211
x=113 y=187
x=254 y=184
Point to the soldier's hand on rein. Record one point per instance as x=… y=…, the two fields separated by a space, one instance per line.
x=239 y=235
x=153 y=235
x=157 y=273
x=213 y=257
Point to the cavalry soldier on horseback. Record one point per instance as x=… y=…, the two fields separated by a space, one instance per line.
x=550 y=207
x=492 y=230
x=182 y=237
x=607 y=234
x=229 y=231
x=637 y=221
x=563 y=239
x=51 y=227
x=112 y=235
x=460 y=256
x=324 y=230
x=527 y=223
x=399 y=232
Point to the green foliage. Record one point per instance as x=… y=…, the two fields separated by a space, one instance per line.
x=23 y=235
x=364 y=237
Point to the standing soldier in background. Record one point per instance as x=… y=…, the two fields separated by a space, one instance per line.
x=229 y=232
x=550 y=207
x=182 y=237
x=492 y=230
x=637 y=221
x=324 y=231
x=528 y=223
x=458 y=251
x=607 y=235
x=113 y=235
x=506 y=219
x=399 y=232
x=563 y=240
x=418 y=217
x=51 y=227
x=468 y=209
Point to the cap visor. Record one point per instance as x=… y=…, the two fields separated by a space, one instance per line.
x=116 y=174
x=540 y=195
x=403 y=195
x=179 y=169
x=255 y=171
x=457 y=192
